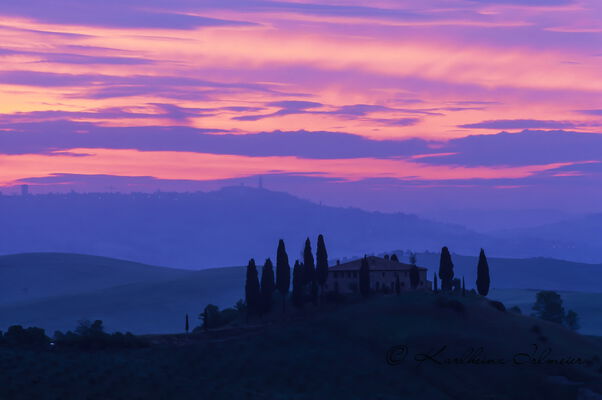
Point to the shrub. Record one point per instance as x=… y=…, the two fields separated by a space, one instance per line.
x=91 y=336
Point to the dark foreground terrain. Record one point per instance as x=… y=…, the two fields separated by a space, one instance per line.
x=341 y=352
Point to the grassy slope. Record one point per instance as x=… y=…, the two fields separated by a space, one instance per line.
x=334 y=355
x=27 y=277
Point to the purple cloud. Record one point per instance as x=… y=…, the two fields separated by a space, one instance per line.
x=111 y=13
x=520 y=124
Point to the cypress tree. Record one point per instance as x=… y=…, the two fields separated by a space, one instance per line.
x=414 y=277
x=321 y=263
x=397 y=285
x=309 y=271
x=435 y=285
x=394 y=258
x=364 y=278
x=252 y=289
x=446 y=270
x=283 y=272
x=267 y=285
x=483 y=279
x=463 y=287
x=187 y=326
x=297 y=296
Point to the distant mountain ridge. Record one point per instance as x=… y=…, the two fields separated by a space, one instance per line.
x=231 y=225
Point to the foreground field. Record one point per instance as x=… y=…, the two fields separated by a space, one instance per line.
x=338 y=353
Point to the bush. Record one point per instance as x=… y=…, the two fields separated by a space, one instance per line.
x=17 y=336
x=91 y=336
x=213 y=318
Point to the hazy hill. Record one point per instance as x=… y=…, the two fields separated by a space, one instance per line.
x=340 y=353
x=212 y=229
x=227 y=227
x=580 y=236
x=27 y=277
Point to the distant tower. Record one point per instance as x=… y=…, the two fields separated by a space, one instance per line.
x=260 y=183
x=24 y=190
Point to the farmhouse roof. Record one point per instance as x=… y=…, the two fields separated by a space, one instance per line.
x=375 y=264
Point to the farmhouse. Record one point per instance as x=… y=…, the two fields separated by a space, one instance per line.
x=383 y=275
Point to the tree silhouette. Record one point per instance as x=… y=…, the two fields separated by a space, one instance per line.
x=321 y=263
x=413 y=258
x=446 y=270
x=548 y=306
x=463 y=287
x=210 y=317
x=309 y=271
x=394 y=258
x=435 y=284
x=364 y=278
x=187 y=326
x=298 y=292
x=483 y=279
x=252 y=289
x=283 y=273
x=414 y=277
x=267 y=285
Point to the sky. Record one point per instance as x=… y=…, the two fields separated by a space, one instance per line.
x=385 y=105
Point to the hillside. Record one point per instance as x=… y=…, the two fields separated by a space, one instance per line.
x=226 y=227
x=28 y=277
x=340 y=353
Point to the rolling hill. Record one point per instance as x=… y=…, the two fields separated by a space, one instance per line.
x=28 y=277
x=144 y=299
x=155 y=306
